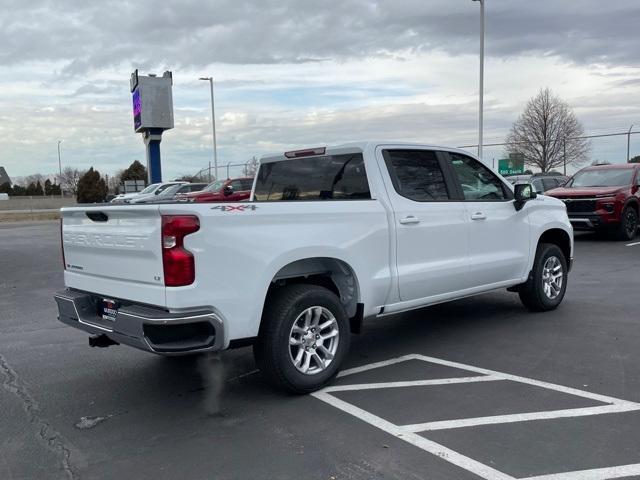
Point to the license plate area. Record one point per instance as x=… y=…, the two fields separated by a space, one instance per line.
x=108 y=309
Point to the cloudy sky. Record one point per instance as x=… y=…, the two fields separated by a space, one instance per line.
x=296 y=73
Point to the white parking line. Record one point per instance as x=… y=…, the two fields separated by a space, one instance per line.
x=632 y=244
x=409 y=433
x=518 y=417
x=594 y=474
x=412 y=383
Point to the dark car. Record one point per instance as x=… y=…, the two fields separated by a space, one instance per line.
x=541 y=181
x=603 y=197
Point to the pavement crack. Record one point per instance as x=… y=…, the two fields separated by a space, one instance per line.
x=45 y=433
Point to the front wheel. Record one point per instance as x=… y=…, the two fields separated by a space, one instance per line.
x=547 y=283
x=303 y=339
x=628 y=224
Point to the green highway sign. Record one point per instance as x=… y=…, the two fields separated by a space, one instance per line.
x=514 y=165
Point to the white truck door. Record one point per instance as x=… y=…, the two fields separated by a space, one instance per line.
x=432 y=228
x=499 y=235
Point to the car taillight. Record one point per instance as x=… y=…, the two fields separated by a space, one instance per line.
x=64 y=262
x=177 y=261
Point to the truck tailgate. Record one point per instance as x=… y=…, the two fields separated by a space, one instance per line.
x=114 y=251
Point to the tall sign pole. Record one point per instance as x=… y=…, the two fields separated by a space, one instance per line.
x=481 y=92
x=152 y=114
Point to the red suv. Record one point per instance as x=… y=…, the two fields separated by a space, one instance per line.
x=603 y=197
x=230 y=190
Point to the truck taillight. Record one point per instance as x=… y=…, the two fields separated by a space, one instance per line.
x=177 y=261
x=64 y=262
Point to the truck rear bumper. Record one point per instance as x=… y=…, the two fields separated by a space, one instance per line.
x=140 y=326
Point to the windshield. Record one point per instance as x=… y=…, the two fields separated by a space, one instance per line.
x=601 y=178
x=150 y=188
x=215 y=186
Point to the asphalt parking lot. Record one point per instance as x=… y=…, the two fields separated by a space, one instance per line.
x=478 y=388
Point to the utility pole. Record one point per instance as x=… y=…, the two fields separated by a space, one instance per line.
x=213 y=124
x=629 y=143
x=564 y=147
x=59 y=168
x=481 y=93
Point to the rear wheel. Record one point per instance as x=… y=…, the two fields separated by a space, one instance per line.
x=304 y=337
x=547 y=283
x=628 y=224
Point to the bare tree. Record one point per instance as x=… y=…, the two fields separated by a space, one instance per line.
x=69 y=179
x=546 y=133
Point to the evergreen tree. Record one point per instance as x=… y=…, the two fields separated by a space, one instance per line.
x=91 y=187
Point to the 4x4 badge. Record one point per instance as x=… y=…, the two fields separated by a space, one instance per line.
x=234 y=208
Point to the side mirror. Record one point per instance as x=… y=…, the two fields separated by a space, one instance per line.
x=228 y=190
x=523 y=192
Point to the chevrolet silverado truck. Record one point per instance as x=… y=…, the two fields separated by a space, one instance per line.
x=604 y=198
x=331 y=236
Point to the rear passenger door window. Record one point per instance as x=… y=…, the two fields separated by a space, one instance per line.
x=417 y=175
x=478 y=183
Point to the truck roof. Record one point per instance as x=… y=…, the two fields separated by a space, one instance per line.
x=352 y=147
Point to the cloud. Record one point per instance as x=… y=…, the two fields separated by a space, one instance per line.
x=293 y=73
x=90 y=36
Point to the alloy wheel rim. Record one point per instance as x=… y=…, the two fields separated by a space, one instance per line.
x=313 y=340
x=631 y=223
x=552 y=277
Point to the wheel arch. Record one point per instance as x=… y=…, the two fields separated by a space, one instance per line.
x=559 y=237
x=330 y=272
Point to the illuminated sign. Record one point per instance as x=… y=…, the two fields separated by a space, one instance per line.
x=137 y=110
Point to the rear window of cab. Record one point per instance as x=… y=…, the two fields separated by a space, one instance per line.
x=327 y=177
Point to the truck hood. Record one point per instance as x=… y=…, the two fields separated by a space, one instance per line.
x=583 y=192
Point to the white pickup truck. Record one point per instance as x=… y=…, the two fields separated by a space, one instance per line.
x=330 y=237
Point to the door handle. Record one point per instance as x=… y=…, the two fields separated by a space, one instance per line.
x=409 y=220
x=478 y=216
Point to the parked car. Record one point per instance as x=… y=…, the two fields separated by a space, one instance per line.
x=603 y=198
x=230 y=190
x=156 y=194
x=169 y=193
x=541 y=182
x=125 y=197
x=331 y=237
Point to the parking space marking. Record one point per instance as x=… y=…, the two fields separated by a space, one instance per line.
x=518 y=417
x=412 y=383
x=371 y=366
x=594 y=474
x=632 y=244
x=451 y=456
x=409 y=433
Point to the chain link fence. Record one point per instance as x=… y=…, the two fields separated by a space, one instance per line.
x=618 y=147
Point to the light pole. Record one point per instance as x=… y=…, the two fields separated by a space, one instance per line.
x=213 y=123
x=59 y=167
x=481 y=106
x=629 y=142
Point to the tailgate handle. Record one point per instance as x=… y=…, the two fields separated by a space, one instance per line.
x=98 y=216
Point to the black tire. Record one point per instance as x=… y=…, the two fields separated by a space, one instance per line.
x=628 y=227
x=272 y=350
x=532 y=293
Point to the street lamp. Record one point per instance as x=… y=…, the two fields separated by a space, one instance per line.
x=481 y=107
x=629 y=142
x=59 y=166
x=213 y=123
